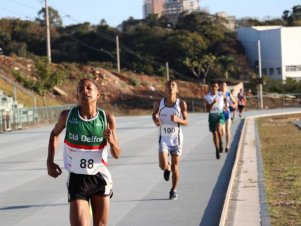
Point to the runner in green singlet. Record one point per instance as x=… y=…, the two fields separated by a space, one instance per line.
x=88 y=132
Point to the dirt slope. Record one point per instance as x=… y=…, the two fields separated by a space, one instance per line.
x=125 y=92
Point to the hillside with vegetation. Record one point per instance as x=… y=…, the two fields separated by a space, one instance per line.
x=125 y=92
x=199 y=48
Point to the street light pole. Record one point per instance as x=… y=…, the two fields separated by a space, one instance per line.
x=118 y=54
x=259 y=95
x=167 y=71
x=47 y=32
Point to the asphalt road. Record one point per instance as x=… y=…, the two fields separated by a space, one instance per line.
x=29 y=197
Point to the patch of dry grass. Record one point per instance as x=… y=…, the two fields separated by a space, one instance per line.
x=280 y=142
x=25 y=98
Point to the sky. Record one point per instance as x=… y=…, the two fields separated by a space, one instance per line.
x=116 y=11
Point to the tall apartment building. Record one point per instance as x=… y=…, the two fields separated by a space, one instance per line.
x=158 y=7
x=147 y=8
x=170 y=8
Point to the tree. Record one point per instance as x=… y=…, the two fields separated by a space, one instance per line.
x=292 y=18
x=228 y=63
x=54 y=17
x=209 y=26
x=200 y=67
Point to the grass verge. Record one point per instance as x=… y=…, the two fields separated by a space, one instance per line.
x=280 y=142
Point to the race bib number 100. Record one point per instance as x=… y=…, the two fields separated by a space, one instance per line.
x=169 y=130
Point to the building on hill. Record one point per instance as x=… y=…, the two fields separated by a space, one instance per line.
x=230 y=21
x=280 y=50
x=169 y=8
x=147 y=8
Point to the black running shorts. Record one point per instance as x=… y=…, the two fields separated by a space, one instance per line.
x=82 y=186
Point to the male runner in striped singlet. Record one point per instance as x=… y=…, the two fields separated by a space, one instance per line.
x=215 y=103
x=169 y=114
x=88 y=132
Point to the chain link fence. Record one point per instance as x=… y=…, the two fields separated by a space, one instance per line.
x=15 y=118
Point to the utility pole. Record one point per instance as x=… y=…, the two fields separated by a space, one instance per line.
x=47 y=32
x=259 y=94
x=117 y=53
x=167 y=72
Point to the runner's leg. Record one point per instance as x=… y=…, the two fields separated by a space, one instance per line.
x=101 y=209
x=79 y=213
x=228 y=132
x=163 y=160
x=175 y=171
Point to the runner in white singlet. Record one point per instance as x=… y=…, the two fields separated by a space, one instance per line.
x=215 y=103
x=169 y=114
x=88 y=132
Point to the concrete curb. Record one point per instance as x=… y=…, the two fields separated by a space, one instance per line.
x=232 y=178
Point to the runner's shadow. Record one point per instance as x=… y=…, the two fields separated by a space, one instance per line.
x=214 y=208
x=32 y=206
x=143 y=200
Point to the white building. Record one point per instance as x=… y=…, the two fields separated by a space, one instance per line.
x=190 y=5
x=280 y=49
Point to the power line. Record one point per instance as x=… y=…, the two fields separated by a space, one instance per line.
x=23 y=4
x=14 y=12
x=92 y=48
x=18 y=13
x=144 y=59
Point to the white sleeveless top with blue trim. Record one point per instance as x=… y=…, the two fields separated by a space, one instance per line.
x=170 y=133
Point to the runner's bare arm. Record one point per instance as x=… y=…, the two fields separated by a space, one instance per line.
x=111 y=136
x=209 y=106
x=53 y=169
x=184 y=120
x=155 y=114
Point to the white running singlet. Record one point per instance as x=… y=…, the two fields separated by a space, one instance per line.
x=170 y=133
x=219 y=105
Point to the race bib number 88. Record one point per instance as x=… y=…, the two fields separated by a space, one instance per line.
x=89 y=162
x=86 y=164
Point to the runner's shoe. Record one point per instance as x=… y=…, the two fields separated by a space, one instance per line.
x=221 y=146
x=226 y=150
x=166 y=175
x=173 y=195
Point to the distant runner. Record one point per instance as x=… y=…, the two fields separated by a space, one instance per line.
x=88 y=132
x=169 y=115
x=241 y=102
x=232 y=106
x=215 y=102
x=227 y=113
